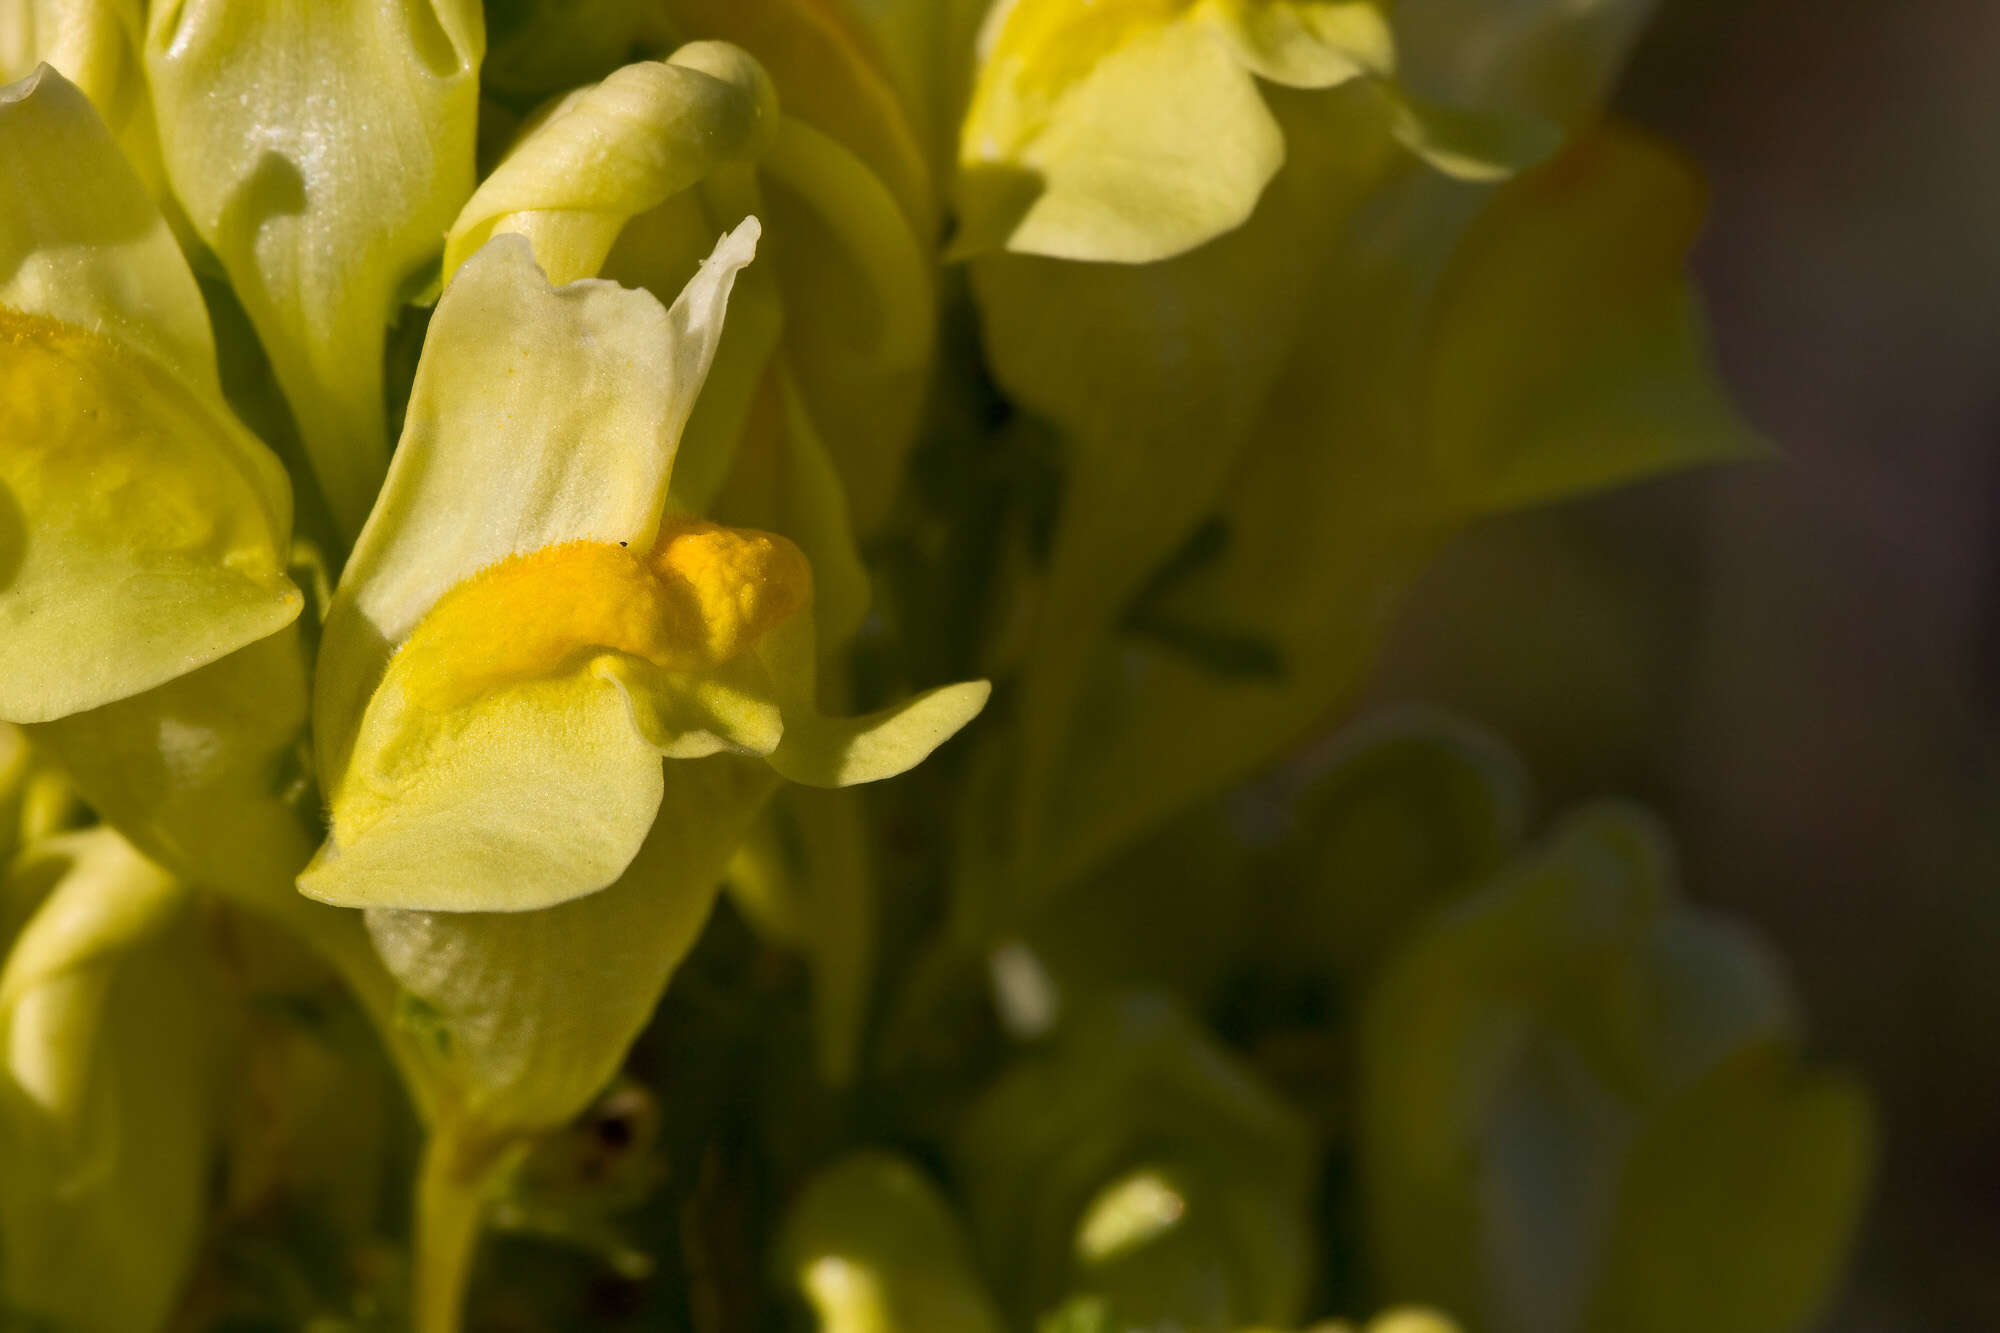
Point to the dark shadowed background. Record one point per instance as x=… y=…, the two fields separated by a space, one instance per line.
x=1799 y=662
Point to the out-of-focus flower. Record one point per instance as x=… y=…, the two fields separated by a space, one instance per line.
x=929 y=48
x=1403 y=1319
x=1555 y=60
x=1135 y=1165
x=1130 y=131
x=104 y=1114
x=143 y=531
x=319 y=152
x=36 y=800
x=1227 y=556
x=1404 y=812
x=1582 y=1108
x=872 y=1248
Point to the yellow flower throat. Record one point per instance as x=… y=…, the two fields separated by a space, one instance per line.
x=702 y=596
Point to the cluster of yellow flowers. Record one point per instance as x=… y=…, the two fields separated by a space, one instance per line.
x=477 y=481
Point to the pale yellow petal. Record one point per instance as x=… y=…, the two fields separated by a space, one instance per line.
x=529 y=1013
x=96 y=45
x=320 y=150
x=535 y=795
x=1307 y=43
x=842 y=751
x=142 y=529
x=617 y=149
x=80 y=239
x=539 y=416
x=1164 y=143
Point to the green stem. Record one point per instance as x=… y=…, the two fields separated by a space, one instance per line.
x=451 y=1201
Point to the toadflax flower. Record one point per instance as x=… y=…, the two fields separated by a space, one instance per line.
x=549 y=705
x=1130 y=131
x=143 y=530
x=524 y=633
x=809 y=407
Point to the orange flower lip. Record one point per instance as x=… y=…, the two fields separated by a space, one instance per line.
x=698 y=599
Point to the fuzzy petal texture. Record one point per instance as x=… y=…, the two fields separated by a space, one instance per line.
x=142 y=529
x=539 y=416
x=542 y=420
x=524 y=637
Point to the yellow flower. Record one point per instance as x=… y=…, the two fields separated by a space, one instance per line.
x=95 y=44
x=319 y=150
x=1134 y=130
x=549 y=705
x=143 y=531
x=811 y=406
x=525 y=630
x=104 y=1116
